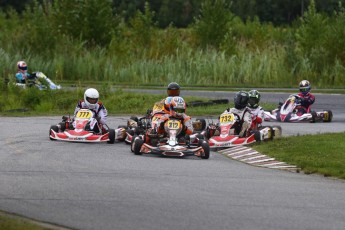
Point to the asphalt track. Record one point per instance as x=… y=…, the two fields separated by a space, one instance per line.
x=104 y=186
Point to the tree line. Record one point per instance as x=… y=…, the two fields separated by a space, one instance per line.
x=181 y=13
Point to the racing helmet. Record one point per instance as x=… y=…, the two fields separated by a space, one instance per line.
x=241 y=100
x=254 y=99
x=167 y=102
x=22 y=66
x=304 y=87
x=173 y=89
x=91 y=96
x=177 y=107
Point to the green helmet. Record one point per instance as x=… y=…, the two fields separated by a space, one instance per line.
x=254 y=99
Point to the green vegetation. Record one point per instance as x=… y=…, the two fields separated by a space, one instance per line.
x=32 y=102
x=322 y=154
x=14 y=222
x=107 y=48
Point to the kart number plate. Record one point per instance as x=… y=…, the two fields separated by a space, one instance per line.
x=85 y=114
x=173 y=124
x=226 y=118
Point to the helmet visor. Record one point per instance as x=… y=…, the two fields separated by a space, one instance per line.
x=304 y=89
x=92 y=100
x=179 y=110
x=252 y=101
x=173 y=92
x=23 y=68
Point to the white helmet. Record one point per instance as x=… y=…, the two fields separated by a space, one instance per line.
x=91 y=98
x=22 y=66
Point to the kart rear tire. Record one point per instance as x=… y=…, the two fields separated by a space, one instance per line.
x=329 y=117
x=55 y=128
x=205 y=146
x=137 y=146
x=111 y=133
x=313 y=117
x=132 y=142
x=134 y=118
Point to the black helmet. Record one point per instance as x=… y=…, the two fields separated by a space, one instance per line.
x=241 y=100
x=173 y=89
x=254 y=99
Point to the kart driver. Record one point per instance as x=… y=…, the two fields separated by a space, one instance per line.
x=173 y=90
x=22 y=73
x=306 y=99
x=255 y=109
x=177 y=110
x=91 y=102
x=242 y=113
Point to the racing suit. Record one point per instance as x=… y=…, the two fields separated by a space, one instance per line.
x=244 y=121
x=257 y=117
x=100 y=112
x=306 y=101
x=22 y=76
x=185 y=119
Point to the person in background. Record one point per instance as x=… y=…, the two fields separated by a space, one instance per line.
x=22 y=75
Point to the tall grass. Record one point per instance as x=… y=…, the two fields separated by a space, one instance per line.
x=249 y=54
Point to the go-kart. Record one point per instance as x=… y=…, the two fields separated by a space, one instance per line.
x=40 y=81
x=288 y=112
x=224 y=133
x=169 y=144
x=84 y=128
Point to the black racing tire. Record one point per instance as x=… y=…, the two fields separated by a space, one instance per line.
x=203 y=124
x=205 y=146
x=329 y=116
x=62 y=126
x=134 y=118
x=137 y=146
x=111 y=136
x=313 y=117
x=220 y=101
x=132 y=142
x=55 y=128
x=257 y=136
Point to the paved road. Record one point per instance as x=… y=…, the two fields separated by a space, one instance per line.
x=103 y=186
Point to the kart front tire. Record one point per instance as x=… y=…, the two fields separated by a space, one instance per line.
x=257 y=136
x=111 y=134
x=205 y=146
x=137 y=146
x=55 y=128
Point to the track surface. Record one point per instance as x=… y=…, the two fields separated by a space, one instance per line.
x=103 y=186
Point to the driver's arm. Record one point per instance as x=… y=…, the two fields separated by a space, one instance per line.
x=247 y=122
